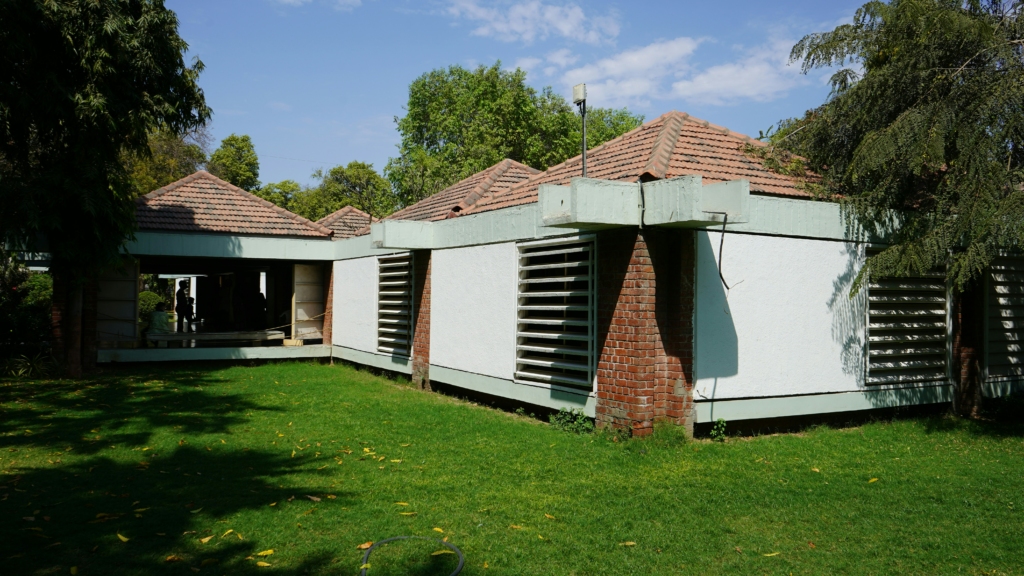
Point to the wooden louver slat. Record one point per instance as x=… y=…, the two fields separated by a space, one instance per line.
x=394 y=305
x=1005 y=346
x=907 y=330
x=555 y=327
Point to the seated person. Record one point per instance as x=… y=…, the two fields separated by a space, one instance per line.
x=159 y=322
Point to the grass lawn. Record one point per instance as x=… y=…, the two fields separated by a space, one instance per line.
x=160 y=471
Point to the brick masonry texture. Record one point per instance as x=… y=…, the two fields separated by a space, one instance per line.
x=645 y=328
x=421 y=328
x=328 y=330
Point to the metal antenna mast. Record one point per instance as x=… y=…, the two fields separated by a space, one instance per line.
x=579 y=98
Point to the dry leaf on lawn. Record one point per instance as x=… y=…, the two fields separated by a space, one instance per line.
x=207 y=539
x=263 y=564
x=173 y=558
x=265 y=552
x=122 y=538
x=627 y=543
x=364 y=545
x=439 y=552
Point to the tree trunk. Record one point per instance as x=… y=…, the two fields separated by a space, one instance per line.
x=66 y=324
x=968 y=349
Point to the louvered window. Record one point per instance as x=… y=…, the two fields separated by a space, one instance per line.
x=1006 y=318
x=907 y=330
x=394 y=304
x=555 y=329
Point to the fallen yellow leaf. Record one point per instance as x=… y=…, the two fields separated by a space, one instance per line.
x=407 y=513
x=196 y=511
x=396 y=461
x=207 y=539
x=265 y=552
x=872 y=480
x=439 y=552
x=515 y=527
x=273 y=503
x=815 y=470
x=773 y=554
x=549 y=516
x=402 y=503
x=74 y=570
x=364 y=566
x=406 y=445
x=438 y=530
x=173 y=558
x=539 y=536
x=627 y=543
x=226 y=533
x=122 y=538
x=263 y=564
x=364 y=545
x=313 y=498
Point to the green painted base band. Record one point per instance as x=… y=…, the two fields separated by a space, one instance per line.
x=997 y=388
x=536 y=395
x=191 y=354
x=757 y=408
x=399 y=364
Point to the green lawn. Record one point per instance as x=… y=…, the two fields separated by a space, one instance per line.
x=209 y=467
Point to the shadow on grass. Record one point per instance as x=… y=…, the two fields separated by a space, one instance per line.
x=1001 y=418
x=164 y=500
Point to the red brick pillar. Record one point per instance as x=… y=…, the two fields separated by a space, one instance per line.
x=421 y=322
x=328 y=329
x=968 y=349
x=645 y=328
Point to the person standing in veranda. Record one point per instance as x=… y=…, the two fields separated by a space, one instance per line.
x=181 y=305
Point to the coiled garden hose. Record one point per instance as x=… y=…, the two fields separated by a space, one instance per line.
x=452 y=547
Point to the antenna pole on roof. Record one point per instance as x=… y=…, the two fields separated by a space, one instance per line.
x=579 y=98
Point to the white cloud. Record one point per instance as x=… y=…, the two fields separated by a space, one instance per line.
x=761 y=75
x=527 y=64
x=562 y=58
x=531 y=20
x=636 y=75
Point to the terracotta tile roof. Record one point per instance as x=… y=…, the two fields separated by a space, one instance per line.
x=674 y=144
x=347 y=222
x=461 y=196
x=201 y=202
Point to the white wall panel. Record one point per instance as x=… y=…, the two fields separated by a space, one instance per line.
x=355 y=304
x=473 y=309
x=787 y=326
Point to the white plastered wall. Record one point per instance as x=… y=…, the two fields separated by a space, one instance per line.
x=787 y=325
x=473 y=309
x=355 y=304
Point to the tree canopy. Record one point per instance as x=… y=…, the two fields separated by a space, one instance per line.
x=925 y=121
x=459 y=122
x=82 y=84
x=235 y=161
x=170 y=157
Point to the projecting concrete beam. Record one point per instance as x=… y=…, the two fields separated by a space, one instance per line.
x=686 y=203
x=589 y=203
x=402 y=234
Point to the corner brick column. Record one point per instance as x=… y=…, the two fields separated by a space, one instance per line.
x=421 y=322
x=645 y=328
x=328 y=330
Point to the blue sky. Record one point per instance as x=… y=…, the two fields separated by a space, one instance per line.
x=317 y=83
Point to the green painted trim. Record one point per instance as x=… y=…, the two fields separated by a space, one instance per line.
x=998 y=388
x=230 y=246
x=382 y=361
x=538 y=396
x=402 y=234
x=192 y=354
x=779 y=406
x=359 y=247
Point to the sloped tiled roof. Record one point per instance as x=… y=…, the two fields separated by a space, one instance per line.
x=461 y=196
x=674 y=144
x=201 y=202
x=347 y=222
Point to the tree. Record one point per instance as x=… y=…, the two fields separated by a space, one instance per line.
x=359 y=185
x=82 y=84
x=281 y=193
x=459 y=122
x=236 y=162
x=315 y=202
x=928 y=131
x=170 y=157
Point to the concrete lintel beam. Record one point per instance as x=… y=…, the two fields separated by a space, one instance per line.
x=589 y=203
x=686 y=203
x=402 y=234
